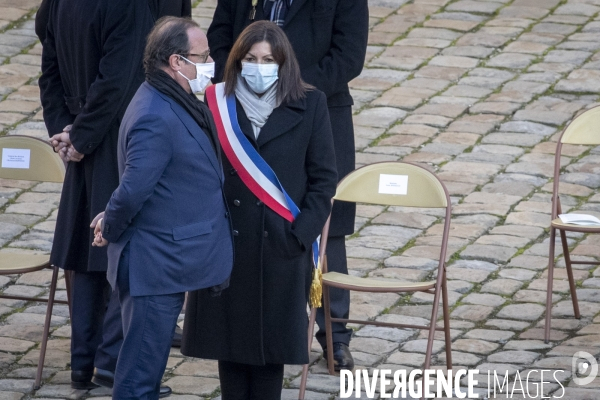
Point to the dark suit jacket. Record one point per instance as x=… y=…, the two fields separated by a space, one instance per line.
x=329 y=38
x=91 y=68
x=169 y=205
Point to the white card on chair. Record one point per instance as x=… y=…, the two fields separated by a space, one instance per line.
x=393 y=184
x=15 y=158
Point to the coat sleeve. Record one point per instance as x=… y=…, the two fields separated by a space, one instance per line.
x=119 y=75
x=346 y=56
x=41 y=20
x=220 y=36
x=148 y=152
x=52 y=92
x=322 y=178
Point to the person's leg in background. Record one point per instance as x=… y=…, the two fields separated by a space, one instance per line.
x=105 y=363
x=89 y=294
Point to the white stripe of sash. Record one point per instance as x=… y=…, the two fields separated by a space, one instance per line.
x=252 y=169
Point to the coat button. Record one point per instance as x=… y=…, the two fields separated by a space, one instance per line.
x=226 y=215
x=235 y=233
x=265 y=234
x=259 y=203
x=232 y=171
x=236 y=203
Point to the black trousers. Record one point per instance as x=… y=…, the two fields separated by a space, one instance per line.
x=340 y=299
x=250 y=382
x=96 y=329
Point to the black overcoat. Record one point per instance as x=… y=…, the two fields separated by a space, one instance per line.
x=91 y=68
x=329 y=38
x=261 y=318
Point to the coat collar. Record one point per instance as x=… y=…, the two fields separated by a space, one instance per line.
x=296 y=6
x=197 y=133
x=283 y=119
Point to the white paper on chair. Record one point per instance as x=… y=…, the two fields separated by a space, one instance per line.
x=15 y=158
x=579 y=219
x=393 y=184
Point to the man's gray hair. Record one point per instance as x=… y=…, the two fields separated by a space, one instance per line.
x=169 y=36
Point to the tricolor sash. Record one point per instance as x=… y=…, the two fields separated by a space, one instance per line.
x=252 y=169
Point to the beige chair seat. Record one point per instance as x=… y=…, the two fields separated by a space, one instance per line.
x=19 y=263
x=558 y=224
x=369 y=284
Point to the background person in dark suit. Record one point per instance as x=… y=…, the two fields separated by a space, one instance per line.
x=91 y=68
x=167 y=223
x=329 y=38
x=260 y=323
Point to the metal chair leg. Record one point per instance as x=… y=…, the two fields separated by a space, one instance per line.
x=40 y=368
x=446 y=311
x=311 y=329
x=432 y=324
x=549 y=288
x=328 y=334
x=568 y=265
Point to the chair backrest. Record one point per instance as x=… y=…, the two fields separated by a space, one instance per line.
x=30 y=159
x=395 y=184
x=584 y=129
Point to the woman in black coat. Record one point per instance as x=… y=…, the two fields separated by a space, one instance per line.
x=260 y=322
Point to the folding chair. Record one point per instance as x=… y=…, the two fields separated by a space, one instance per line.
x=583 y=130
x=31 y=159
x=391 y=184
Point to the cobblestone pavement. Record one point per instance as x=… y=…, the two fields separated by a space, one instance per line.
x=476 y=89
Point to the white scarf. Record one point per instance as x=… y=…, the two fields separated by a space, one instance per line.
x=257 y=108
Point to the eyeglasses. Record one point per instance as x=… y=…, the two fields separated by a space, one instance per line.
x=202 y=57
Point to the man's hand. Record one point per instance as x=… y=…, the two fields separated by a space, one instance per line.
x=73 y=155
x=63 y=146
x=60 y=142
x=99 y=241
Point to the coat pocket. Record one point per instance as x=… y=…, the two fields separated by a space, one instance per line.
x=192 y=230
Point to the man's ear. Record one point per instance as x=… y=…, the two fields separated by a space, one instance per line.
x=175 y=62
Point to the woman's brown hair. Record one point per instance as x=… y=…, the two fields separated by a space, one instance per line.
x=290 y=85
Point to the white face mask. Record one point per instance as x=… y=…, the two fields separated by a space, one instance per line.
x=260 y=77
x=203 y=74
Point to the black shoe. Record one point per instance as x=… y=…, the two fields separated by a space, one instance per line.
x=176 y=342
x=103 y=378
x=165 y=391
x=82 y=380
x=342 y=358
x=106 y=378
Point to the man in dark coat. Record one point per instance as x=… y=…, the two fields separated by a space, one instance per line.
x=329 y=38
x=91 y=68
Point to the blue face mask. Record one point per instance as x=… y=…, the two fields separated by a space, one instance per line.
x=260 y=77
